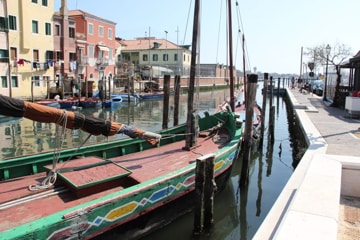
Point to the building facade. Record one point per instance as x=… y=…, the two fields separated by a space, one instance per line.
x=31 y=47
x=96 y=47
x=65 y=55
x=150 y=51
x=4 y=50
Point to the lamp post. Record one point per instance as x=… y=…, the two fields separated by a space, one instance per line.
x=327 y=49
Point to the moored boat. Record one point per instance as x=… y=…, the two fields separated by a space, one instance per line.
x=109 y=184
x=90 y=102
x=124 y=97
x=49 y=102
x=69 y=103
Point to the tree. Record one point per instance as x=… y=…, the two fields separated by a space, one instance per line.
x=338 y=54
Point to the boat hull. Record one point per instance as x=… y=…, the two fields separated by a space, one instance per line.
x=124 y=97
x=151 y=96
x=49 y=103
x=67 y=104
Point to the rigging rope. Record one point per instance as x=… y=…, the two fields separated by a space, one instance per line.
x=187 y=21
x=218 y=40
x=52 y=175
x=241 y=29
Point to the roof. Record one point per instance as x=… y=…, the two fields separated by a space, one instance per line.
x=146 y=43
x=78 y=12
x=356 y=58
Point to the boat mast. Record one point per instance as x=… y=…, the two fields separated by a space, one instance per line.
x=191 y=129
x=231 y=67
x=244 y=71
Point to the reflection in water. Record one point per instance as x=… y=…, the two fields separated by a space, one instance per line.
x=243 y=191
x=24 y=137
x=258 y=199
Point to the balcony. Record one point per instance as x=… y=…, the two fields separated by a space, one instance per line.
x=102 y=63
x=83 y=60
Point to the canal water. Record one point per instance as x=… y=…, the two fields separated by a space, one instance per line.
x=238 y=211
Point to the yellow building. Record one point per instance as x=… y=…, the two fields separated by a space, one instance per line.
x=31 y=47
x=4 y=52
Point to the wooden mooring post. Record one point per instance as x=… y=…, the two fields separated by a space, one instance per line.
x=177 y=86
x=263 y=110
x=271 y=113
x=166 y=90
x=204 y=190
x=247 y=141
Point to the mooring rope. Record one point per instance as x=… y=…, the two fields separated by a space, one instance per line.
x=52 y=175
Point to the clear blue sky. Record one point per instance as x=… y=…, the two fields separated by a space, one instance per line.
x=274 y=30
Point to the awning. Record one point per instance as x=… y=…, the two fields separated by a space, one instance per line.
x=103 y=48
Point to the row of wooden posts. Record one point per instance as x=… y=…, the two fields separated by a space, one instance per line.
x=204 y=179
x=205 y=186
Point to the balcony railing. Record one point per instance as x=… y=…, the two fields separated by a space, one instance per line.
x=83 y=60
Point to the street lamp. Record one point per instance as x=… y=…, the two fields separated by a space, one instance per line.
x=327 y=49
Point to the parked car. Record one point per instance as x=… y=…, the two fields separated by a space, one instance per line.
x=317 y=87
x=320 y=89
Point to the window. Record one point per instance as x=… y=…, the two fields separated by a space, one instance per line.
x=155 y=57
x=14 y=81
x=72 y=56
x=91 y=51
x=48 y=29
x=57 y=30
x=36 y=81
x=35 y=27
x=4 y=83
x=90 y=29
x=71 y=32
x=101 y=31
x=3 y=24
x=110 y=53
x=59 y=56
x=165 y=57
x=36 y=55
x=13 y=54
x=34 y=1
x=44 y=3
x=175 y=57
x=12 y=22
x=110 y=33
x=145 y=58
x=49 y=55
x=4 y=55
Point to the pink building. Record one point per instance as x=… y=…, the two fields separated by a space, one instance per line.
x=96 y=45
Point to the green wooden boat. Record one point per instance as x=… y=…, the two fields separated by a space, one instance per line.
x=83 y=192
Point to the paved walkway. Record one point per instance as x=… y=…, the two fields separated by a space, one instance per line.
x=315 y=203
x=342 y=134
